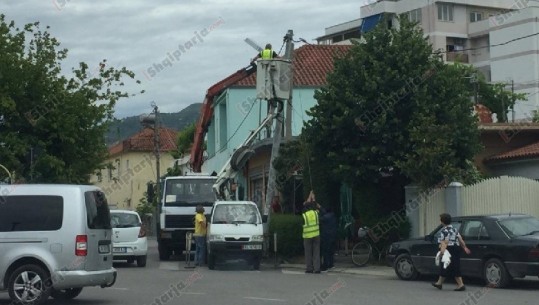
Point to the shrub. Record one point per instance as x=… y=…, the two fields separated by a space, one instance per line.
x=289 y=229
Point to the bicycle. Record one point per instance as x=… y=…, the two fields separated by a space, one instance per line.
x=362 y=251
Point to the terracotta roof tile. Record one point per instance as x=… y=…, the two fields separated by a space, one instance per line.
x=311 y=64
x=525 y=152
x=144 y=141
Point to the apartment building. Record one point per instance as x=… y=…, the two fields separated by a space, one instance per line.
x=499 y=37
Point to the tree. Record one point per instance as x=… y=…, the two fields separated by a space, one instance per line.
x=185 y=140
x=52 y=127
x=391 y=107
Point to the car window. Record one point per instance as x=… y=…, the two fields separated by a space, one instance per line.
x=97 y=210
x=124 y=220
x=474 y=230
x=436 y=233
x=520 y=226
x=31 y=213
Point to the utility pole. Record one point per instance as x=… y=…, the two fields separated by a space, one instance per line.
x=152 y=121
x=277 y=131
x=513 y=105
x=288 y=115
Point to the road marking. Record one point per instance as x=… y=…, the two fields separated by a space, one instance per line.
x=185 y=292
x=285 y=271
x=265 y=299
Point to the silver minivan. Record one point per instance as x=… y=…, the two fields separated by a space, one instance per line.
x=54 y=240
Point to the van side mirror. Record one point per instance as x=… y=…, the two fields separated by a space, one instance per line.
x=264 y=218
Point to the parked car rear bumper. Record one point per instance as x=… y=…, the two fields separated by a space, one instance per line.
x=521 y=269
x=136 y=248
x=82 y=278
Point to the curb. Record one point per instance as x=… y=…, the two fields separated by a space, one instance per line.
x=367 y=270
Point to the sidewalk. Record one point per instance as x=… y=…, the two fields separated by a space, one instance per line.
x=343 y=264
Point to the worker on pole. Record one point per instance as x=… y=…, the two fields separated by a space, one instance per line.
x=267 y=53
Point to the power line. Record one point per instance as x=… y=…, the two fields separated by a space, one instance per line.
x=489 y=46
x=239 y=126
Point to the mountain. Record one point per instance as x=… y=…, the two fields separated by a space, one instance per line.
x=122 y=129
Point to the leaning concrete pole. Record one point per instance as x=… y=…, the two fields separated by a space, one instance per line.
x=277 y=134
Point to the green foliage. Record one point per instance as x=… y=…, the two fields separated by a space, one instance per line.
x=52 y=127
x=185 y=140
x=393 y=108
x=289 y=229
x=144 y=207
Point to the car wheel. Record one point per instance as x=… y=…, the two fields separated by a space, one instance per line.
x=211 y=261
x=495 y=274
x=29 y=284
x=256 y=263
x=66 y=294
x=141 y=261
x=164 y=252
x=404 y=268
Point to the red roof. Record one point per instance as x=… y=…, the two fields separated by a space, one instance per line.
x=525 y=152
x=144 y=141
x=311 y=64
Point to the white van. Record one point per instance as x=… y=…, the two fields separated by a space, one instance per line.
x=54 y=240
x=235 y=231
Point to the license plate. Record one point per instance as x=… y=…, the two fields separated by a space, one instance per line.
x=252 y=247
x=104 y=249
x=119 y=250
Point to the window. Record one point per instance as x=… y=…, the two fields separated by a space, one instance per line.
x=474 y=230
x=476 y=16
x=31 y=213
x=445 y=12
x=415 y=15
x=97 y=210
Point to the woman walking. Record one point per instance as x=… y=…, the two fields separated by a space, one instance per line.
x=451 y=241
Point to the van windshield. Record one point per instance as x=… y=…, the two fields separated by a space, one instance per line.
x=236 y=213
x=97 y=210
x=189 y=192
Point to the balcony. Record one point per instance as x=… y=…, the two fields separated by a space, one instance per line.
x=457 y=56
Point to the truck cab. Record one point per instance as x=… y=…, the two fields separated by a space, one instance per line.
x=180 y=196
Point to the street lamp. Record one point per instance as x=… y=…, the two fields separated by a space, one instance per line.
x=152 y=121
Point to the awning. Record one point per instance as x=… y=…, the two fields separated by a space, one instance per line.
x=370 y=22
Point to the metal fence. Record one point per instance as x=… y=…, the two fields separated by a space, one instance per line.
x=497 y=195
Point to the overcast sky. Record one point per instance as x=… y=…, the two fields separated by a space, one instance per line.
x=142 y=35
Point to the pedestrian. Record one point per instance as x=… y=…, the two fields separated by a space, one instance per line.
x=200 y=236
x=267 y=53
x=450 y=240
x=275 y=205
x=328 y=236
x=311 y=235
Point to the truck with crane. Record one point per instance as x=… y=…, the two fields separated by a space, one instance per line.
x=181 y=194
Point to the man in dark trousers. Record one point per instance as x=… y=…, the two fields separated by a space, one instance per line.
x=311 y=235
x=328 y=235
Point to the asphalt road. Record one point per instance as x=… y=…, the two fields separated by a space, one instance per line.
x=234 y=283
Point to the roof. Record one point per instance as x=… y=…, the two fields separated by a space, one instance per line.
x=525 y=152
x=144 y=141
x=311 y=64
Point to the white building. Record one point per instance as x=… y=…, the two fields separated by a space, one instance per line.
x=499 y=37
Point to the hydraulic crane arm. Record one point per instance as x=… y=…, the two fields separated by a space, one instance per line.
x=240 y=156
x=203 y=122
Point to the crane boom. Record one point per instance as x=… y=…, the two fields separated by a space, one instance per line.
x=196 y=158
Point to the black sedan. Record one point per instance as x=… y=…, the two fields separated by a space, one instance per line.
x=502 y=247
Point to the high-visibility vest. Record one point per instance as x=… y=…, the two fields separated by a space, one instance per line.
x=266 y=54
x=310 y=224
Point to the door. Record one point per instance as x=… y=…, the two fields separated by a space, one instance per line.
x=478 y=240
x=99 y=252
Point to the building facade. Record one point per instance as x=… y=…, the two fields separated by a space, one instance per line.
x=131 y=165
x=498 y=37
